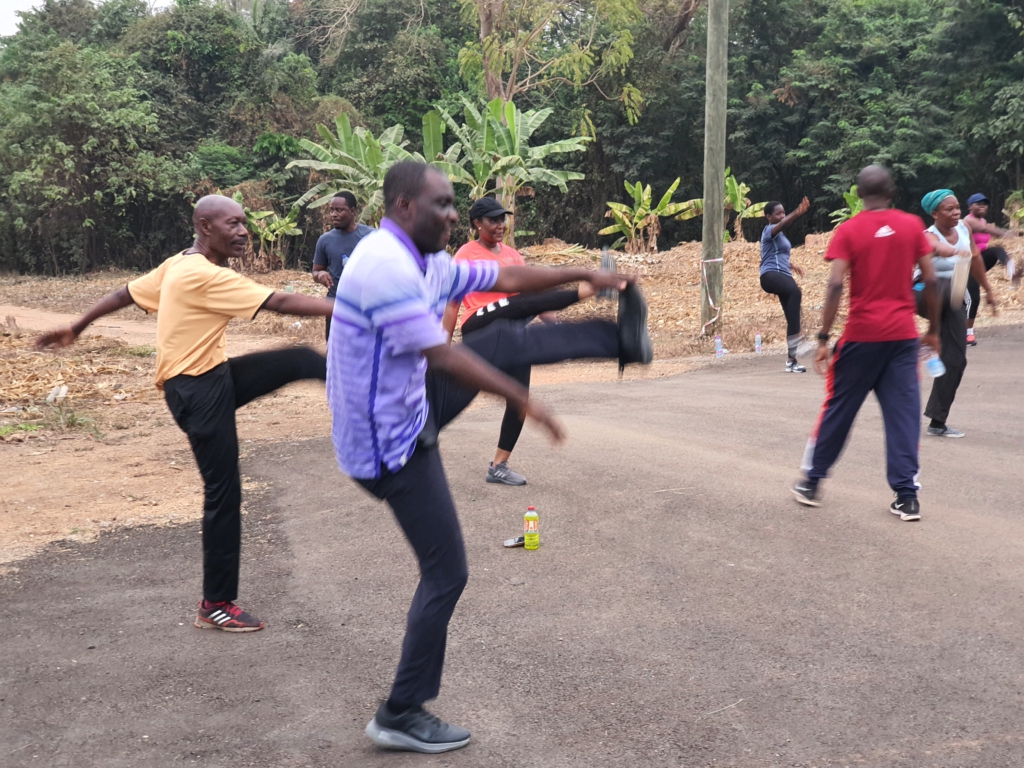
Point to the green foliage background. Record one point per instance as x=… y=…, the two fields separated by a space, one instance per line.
x=113 y=118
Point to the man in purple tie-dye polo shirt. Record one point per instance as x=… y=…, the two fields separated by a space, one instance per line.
x=393 y=382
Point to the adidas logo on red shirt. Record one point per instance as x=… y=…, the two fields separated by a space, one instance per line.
x=885 y=231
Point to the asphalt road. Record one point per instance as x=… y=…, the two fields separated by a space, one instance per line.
x=682 y=609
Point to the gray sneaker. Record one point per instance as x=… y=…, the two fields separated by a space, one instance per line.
x=500 y=473
x=944 y=432
x=415 y=730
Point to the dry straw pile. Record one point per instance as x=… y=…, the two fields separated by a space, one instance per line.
x=95 y=370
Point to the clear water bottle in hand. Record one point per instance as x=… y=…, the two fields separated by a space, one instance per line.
x=933 y=364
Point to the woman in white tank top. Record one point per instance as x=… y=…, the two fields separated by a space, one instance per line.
x=956 y=258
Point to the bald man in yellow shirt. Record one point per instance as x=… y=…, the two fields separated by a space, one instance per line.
x=195 y=295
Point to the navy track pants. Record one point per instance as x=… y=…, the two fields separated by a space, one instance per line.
x=889 y=369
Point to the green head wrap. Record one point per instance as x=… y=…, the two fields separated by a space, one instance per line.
x=931 y=201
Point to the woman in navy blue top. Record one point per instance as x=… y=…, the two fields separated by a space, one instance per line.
x=777 y=275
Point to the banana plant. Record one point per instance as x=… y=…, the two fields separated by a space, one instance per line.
x=492 y=151
x=640 y=225
x=269 y=228
x=854 y=205
x=353 y=159
x=736 y=200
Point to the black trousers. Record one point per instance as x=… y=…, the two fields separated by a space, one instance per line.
x=204 y=408
x=523 y=307
x=790 y=295
x=953 y=337
x=421 y=501
x=991 y=257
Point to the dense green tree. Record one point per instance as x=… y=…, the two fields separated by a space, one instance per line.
x=77 y=160
x=113 y=116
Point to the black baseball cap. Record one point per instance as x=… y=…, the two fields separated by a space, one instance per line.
x=486 y=207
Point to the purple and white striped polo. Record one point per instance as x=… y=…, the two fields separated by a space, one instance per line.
x=388 y=309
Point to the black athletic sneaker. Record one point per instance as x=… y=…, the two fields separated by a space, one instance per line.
x=415 y=730
x=806 y=493
x=227 y=617
x=907 y=508
x=634 y=342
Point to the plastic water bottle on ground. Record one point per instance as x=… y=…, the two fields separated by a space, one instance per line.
x=719 y=350
x=531 y=529
x=757 y=344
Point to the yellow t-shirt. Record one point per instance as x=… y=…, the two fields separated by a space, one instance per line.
x=194 y=299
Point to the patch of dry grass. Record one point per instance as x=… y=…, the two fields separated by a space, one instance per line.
x=96 y=371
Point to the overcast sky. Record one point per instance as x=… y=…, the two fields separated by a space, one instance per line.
x=9 y=22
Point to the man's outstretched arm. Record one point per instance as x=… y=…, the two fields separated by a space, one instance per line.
x=467 y=367
x=533 y=279
x=298 y=304
x=110 y=303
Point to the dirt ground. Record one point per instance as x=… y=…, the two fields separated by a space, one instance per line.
x=682 y=611
x=129 y=464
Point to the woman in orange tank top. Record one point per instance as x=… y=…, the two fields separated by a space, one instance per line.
x=488 y=219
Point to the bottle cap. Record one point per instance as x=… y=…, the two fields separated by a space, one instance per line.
x=529 y=509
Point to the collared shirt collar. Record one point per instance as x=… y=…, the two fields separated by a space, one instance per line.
x=405 y=240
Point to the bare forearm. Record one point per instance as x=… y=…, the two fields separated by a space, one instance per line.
x=112 y=302
x=298 y=304
x=451 y=316
x=473 y=371
x=532 y=279
x=833 y=295
x=776 y=228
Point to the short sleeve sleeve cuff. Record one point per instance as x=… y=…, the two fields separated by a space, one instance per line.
x=145 y=291
x=472 y=276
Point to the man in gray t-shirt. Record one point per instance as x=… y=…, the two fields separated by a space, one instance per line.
x=334 y=247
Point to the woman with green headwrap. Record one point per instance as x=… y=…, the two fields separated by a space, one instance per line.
x=956 y=257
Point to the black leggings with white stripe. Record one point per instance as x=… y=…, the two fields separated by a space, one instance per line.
x=790 y=295
x=522 y=307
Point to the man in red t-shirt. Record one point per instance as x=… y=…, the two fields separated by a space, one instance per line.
x=878 y=350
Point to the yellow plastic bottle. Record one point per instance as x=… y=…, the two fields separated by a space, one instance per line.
x=531 y=529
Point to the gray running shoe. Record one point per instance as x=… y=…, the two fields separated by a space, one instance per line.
x=500 y=473
x=792 y=366
x=415 y=730
x=944 y=432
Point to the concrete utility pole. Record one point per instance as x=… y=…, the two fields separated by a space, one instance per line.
x=717 y=80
